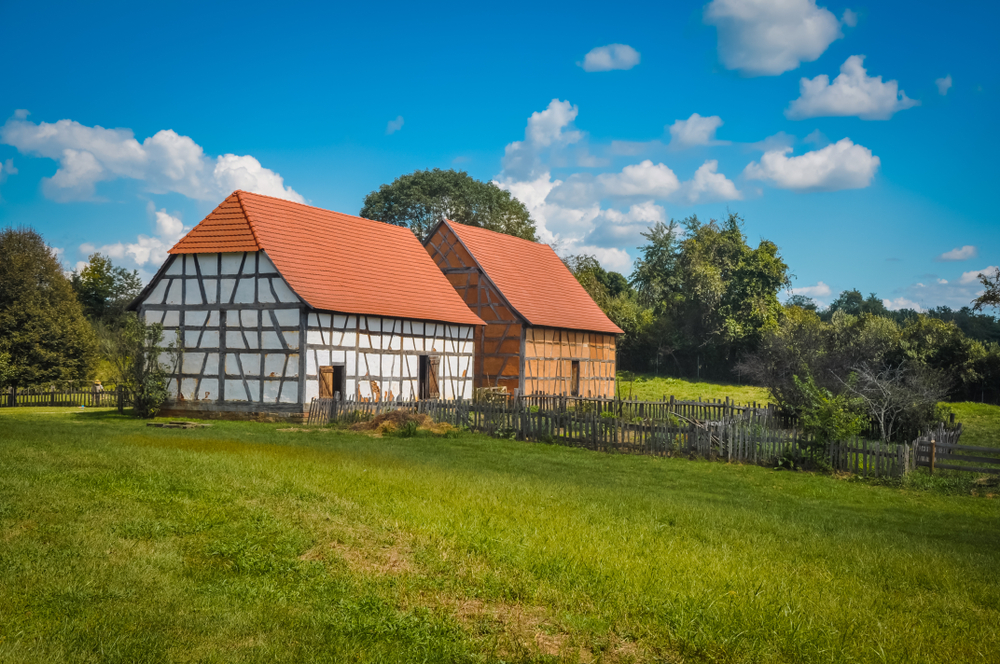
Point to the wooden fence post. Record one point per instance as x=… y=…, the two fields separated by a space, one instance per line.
x=933 y=453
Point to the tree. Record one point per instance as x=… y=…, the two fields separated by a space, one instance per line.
x=421 y=199
x=828 y=417
x=104 y=290
x=854 y=303
x=42 y=326
x=136 y=353
x=802 y=302
x=991 y=296
x=901 y=400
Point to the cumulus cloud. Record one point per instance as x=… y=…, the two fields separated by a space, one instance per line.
x=956 y=293
x=819 y=290
x=616 y=227
x=849 y=18
x=147 y=250
x=696 y=130
x=943 y=84
x=959 y=254
x=394 y=125
x=165 y=162
x=853 y=92
x=548 y=128
x=645 y=179
x=901 y=303
x=7 y=168
x=612 y=56
x=768 y=37
x=972 y=276
x=840 y=165
x=709 y=185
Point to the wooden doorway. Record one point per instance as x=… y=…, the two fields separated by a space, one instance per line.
x=427 y=384
x=574 y=380
x=332 y=382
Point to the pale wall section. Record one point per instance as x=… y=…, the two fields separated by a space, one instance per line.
x=238 y=323
x=381 y=356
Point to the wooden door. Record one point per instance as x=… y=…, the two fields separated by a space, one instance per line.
x=326 y=382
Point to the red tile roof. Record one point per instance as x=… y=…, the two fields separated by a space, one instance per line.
x=534 y=280
x=333 y=261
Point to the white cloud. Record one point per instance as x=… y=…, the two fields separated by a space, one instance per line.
x=972 y=276
x=709 y=185
x=522 y=159
x=819 y=290
x=849 y=18
x=645 y=179
x=959 y=254
x=394 y=125
x=769 y=37
x=7 y=168
x=841 y=165
x=901 y=303
x=612 y=56
x=164 y=162
x=147 y=249
x=943 y=84
x=853 y=92
x=696 y=130
x=614 y=227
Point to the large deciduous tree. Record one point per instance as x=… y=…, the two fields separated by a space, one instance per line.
x=105 y=290
x=991 y=296
x=42 y=325
x=422 y=198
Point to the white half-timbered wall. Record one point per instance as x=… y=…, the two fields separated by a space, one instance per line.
x=381 y=356
x=241 y=326
x=238 y=323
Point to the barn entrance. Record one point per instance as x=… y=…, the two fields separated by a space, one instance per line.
x=332 y=382
x=427 y=387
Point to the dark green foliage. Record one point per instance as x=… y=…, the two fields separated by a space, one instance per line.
x=854 y=303
x=829 y=417
x=136 y=353
x=421 y=199
x=42 y=326
x=104 y=290
x=802 y=302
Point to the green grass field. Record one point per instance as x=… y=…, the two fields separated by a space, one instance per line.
x=647 y=387
x=244 y=542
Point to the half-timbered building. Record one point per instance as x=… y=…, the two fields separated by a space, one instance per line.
x=273 y=303
x=543 y=332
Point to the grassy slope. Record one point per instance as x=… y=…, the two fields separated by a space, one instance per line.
x=653 y=388
x=980 y=423
x=122 y=543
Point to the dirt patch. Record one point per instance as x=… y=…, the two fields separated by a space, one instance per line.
x=390 y=558
x=398 y=420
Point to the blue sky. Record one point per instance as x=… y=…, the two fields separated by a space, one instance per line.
x=125 y=125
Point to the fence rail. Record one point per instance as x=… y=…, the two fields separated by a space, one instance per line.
x=746 y=434
x=55 y=398
x=940 y=450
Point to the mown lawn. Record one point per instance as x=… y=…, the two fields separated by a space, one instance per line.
x=245 y=543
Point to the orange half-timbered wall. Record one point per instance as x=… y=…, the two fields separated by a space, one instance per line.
x=498 y=343
x=549 y=356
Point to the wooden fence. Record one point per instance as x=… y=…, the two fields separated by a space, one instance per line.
x=73 y=398
x=939 y=450
x=747 y=435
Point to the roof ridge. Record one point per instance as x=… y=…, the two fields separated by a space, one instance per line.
x=506 y=235
x=239 y=199
x=314 y=207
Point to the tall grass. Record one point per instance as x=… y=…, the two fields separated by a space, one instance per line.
x=243 y=542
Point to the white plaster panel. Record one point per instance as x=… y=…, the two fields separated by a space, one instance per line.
x=323 y=358
x=351 y=388
x=253 y=339
x=351 y=364
x=340 y=321
x=209 y=264
x=169 y=337
x=235 y=391
x=349 y=340
x=374 y=324
x=234 y=340
x=226 y=290
x=254 y=387
x=364 y=388
x=211 y=364
x=191 y=363
x=365 y=340
x=265 y=264
x=407 y=343
x=191 y=338
x=285 y=293
x=274 y=364
x=312 y=390
x=166 y=359
x=248 y=318
x=172 y=319
x=407 y=329
x=312 y=362
x=314 y=338
x=192 y=294
x=264 y=290
x=370 y=364
x=452 y=332
x=233 y=318
x=394 y=343
x=195 y=318
x=209 y=389
x=153 y=316
x=251 y=364
x=271 y=388
x=287 y=317
x=418 y=328
x=209 y=339
x=270 y=341
x=291 y=338
x=176 y=267
x=172 y=388
x=156 y=295
x=244 y=292
x=289 y=392
x=231 y=263
x=292 y=367
x=210 y=290
x=337 y=357
x=232 y=366
x=412 y=365
x=312 y=320
x=213 y=319
x=189 y=388
x=174 y=292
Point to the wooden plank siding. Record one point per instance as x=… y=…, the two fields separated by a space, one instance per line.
x=512 y=353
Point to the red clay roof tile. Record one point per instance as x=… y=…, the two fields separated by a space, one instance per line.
x=534 y=280
x=333 y=261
